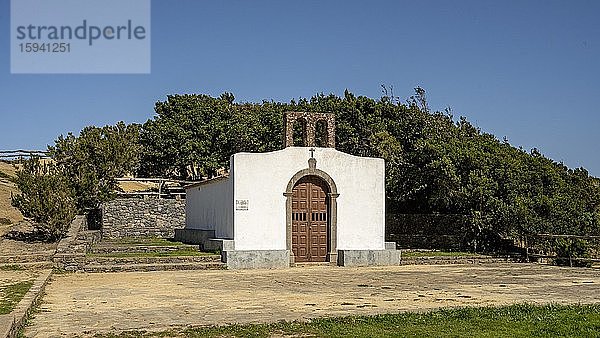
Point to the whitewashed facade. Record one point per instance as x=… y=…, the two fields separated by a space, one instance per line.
x=298 y=204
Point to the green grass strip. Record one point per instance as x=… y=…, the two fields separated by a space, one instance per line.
x=11 y=295
x=507 y=321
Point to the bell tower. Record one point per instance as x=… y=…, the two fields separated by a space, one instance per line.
x=311 y=123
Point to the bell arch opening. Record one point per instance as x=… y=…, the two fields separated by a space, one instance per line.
x=300 y=133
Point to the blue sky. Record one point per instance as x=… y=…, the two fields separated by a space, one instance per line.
x=527 y=70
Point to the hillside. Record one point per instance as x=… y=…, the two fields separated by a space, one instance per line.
x=7 y=211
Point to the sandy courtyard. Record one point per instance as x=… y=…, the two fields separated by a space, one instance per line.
x=84 y=303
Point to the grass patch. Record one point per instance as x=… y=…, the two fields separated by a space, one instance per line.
x=438 y=254
x=11 y=295
x=508 y=321
x=11 y=267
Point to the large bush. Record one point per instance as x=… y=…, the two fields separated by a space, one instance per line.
x=46 y=196
x=568 y=248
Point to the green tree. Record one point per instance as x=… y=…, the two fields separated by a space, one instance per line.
x=192 y=136
x=93 y=160
x=188 y=138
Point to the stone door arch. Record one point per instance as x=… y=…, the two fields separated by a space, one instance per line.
x=324 y=190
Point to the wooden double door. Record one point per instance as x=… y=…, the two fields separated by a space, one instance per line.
x=309 y=220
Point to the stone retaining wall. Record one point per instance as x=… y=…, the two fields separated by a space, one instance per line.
x=428 y=231
x=71 y=250
x=441 y=260
x=11 y=324
x=133 y=217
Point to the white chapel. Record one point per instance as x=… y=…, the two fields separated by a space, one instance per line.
x=301 y=204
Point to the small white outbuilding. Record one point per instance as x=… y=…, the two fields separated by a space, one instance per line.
x=298 y=204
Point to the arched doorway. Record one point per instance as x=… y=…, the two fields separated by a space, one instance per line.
x=310 y=220
x=330 y=189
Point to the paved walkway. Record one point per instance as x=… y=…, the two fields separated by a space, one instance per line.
x=79 y=303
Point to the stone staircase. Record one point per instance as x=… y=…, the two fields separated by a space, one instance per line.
x=25 y=261
x=86 y=251
x=116 y=246
x=119 y=256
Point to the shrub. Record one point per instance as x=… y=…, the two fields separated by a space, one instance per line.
x=46 y=197
x=568 y=248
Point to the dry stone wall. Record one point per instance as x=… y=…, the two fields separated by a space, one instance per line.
x=133 y=217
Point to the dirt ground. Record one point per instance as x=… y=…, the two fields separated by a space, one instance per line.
x=12 y=277
x=87 y=303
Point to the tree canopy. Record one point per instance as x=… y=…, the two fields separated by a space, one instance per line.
x=435 y=163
